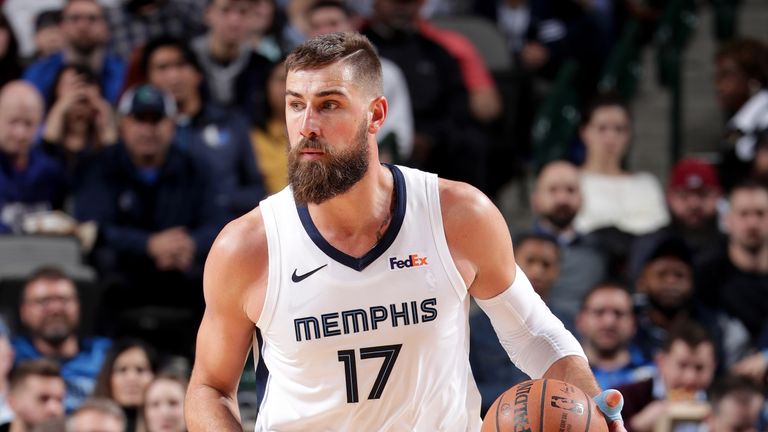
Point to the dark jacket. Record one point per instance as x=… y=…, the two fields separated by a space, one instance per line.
x=128 y=209
x=220 y=138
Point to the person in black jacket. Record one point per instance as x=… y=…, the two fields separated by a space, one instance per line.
x=206 y=130
x=156 y=211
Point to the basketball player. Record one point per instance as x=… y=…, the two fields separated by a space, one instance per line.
x=358 y=277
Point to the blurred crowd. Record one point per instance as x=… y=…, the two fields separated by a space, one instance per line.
x=139 y=128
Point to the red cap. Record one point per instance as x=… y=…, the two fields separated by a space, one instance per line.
x=693 y=174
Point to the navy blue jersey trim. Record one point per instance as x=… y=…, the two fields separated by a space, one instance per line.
x=359 y=264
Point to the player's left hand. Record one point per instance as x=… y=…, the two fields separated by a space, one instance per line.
x=610 y=402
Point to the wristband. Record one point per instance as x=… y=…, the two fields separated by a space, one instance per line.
x=610 y=402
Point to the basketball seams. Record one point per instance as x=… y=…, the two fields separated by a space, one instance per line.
x=501 y=400
x=589 y=412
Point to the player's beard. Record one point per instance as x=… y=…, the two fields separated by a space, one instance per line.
x=316 y=181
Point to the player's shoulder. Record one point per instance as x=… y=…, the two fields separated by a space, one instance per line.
x=243 y=241
x=461 y=202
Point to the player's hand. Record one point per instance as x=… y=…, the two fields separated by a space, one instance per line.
x=610 y=402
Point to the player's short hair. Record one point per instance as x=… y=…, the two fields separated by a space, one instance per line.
x=751 y=56
x=349 y=47
x=38 y=367
x=608 y=284
x=688 y=332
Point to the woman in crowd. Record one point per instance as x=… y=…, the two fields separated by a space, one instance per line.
x=164 y=404
x=79 y=118
x=613 y=197
x=269 y=139
x=127 y=371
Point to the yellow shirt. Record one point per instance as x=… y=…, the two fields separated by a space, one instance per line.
x=271 y=149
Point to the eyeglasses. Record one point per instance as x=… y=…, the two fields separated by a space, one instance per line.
x=43 y=302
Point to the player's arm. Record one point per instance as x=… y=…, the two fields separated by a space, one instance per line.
x=481 y=247
x=234 y=283
x=535 y=340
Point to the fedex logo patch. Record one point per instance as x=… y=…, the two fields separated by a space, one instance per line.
x=413 y=260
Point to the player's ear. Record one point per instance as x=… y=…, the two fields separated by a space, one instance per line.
x=378 y=113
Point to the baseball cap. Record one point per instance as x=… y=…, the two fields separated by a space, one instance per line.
x=692 y=173
x=669 y=246
x=147 y=100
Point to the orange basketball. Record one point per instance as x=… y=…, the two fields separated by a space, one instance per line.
x=544 y=405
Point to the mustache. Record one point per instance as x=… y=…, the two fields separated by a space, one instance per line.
x=313 y=143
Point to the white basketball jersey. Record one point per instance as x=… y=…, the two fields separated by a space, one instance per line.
x=375 y=343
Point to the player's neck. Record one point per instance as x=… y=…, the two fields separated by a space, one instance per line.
x=355 y=220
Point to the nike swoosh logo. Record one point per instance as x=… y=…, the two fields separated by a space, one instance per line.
x=298 y=278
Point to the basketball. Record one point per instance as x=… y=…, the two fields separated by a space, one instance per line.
x=544 y=405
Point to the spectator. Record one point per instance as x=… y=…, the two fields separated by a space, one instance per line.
x=692 y=197
x=396 y=135
x=6 y=363
x=157 y=216
x=484 y=97
x=269 y=139
x=133 y=22
x=555 y=201
x=36 y=394
x=735 y=277
x=666 y=295
x=97 y=415
x=685 y=368
x=22 y=14
x=213 y=134
x=613 y=197
x=235 y=74
x=129 y=368
x=48 y=37
x=741 y=83
x=736 y=405
x=539 y=257
x=10 y=61
x=85 y=37
x=446 y=140
x=606 y=323
x=50 y=315
x=265 y=35
x=30 y=181
x=164 y=404
x=79 y=119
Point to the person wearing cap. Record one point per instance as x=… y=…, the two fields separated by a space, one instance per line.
x=693 y=194
x=665 y=295
x=735 y=277
x=206 y=130
x=156 y=211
